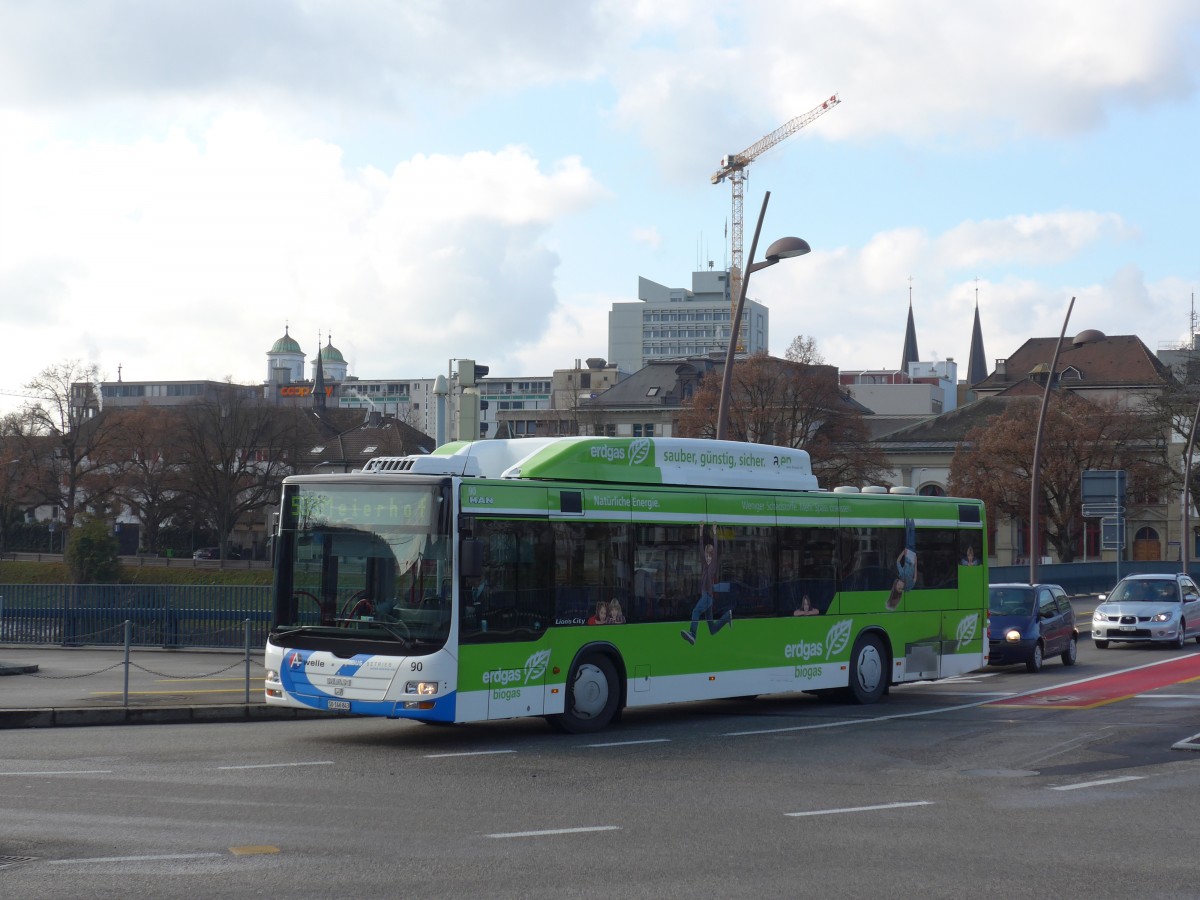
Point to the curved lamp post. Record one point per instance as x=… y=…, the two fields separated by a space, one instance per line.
x=784 y=248
x=1185 y=539
x=1035 y=479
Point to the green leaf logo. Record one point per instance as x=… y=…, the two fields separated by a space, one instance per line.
x=838 y=638
x=638 y=451
x=535 y=666
x=966 y=629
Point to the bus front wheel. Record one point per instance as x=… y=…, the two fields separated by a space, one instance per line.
x=593 y=692
x=868 y=670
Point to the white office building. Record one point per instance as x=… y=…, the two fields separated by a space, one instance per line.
x=667 y=323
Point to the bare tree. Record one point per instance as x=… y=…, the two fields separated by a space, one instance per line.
x=803 y=349
x=234 y=453
x=791 y=404
x=994 y=462
x=146 y=468
x=77 y=438
x=16 y=475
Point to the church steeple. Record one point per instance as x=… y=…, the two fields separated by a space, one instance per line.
x=911 y=354
x=318 y=388
x=977 y=369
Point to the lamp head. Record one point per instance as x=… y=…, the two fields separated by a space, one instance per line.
x=787 y=247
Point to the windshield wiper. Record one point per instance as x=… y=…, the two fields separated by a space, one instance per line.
x=405 y=639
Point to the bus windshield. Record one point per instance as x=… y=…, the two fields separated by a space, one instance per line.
x=364 y=562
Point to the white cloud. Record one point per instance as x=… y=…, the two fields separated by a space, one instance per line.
x=925 y=72
x=194 y=179
x=1042 y=238
x=576 y=330
x=648 y=236
x=356 y=52
x=211 y=241
x=856 y=303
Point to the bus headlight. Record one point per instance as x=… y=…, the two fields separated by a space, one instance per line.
x=421 y=687
x=272 y=676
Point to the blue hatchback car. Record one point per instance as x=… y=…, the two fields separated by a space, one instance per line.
x=1028 y=623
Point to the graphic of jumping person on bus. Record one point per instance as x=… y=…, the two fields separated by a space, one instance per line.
x=906 y=566
x=709 y=567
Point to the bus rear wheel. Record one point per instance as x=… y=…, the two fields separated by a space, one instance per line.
x=593 y=692
x=868 y=670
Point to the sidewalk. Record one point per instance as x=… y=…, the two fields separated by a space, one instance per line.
x=51 y=686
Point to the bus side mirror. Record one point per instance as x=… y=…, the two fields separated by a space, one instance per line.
x=470 y=558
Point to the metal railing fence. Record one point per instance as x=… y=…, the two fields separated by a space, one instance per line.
x=206 y=616
x=1086 y=577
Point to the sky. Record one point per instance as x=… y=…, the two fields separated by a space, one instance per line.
x=420 y=181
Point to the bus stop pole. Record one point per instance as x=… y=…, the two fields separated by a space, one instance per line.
x=128 y=638
x=247 y=627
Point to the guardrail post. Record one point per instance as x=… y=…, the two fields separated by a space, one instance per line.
x=128 y=639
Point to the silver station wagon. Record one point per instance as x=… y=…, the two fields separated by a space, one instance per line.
x=1149 y=609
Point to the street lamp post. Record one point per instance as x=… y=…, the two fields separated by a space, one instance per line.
x=1035 y=478
x=783 y=248
x=1185 y=538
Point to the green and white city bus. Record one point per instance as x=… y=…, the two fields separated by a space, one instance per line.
x=573 y=577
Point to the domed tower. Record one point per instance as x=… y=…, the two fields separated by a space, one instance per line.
x=332 y=362
x=285 y=360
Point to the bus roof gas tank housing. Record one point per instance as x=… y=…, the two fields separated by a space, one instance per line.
x=692 y=462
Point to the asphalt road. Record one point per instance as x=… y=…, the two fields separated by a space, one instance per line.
x=952 y=789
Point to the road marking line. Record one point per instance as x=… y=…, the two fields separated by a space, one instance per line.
x=630 y=743
x=324 y=762
x=1195 y=697
x=553 y=831
x=1001 y=704
x=1192 y=743
x=864 y=721
x=1088 y=784
x=470 y=753
x=261 y=850
x=108 y=859
x=75 y=772
x=853 y=809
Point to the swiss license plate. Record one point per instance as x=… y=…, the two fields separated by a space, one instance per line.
x=1129 y=628
x=341 y=705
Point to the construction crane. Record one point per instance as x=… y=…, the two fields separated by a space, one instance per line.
x=733 y=167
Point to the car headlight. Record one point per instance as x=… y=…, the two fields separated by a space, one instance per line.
x=1098 y=616
x=1012 y=635
x=1162 y=617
